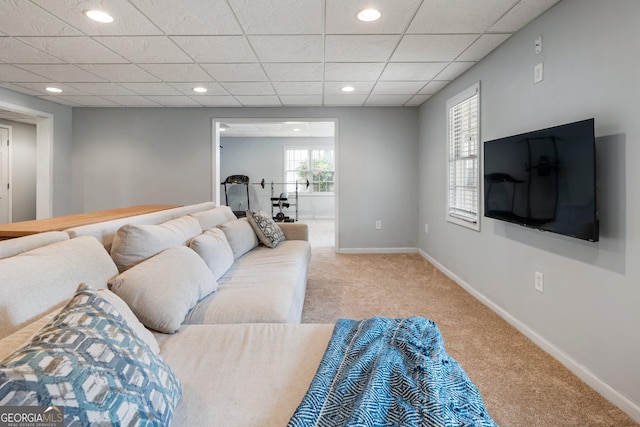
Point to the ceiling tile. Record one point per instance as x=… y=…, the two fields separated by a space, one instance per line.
x=298 y=88
x=344 y=100
x=75 y=49
x=40 y=88
x=216 y=49
x=101 y=88
x=301 y=100
x=344 y=71
x=20 y=89
x=40 y=22
x=295 y=72
x=396 y=16
x=287 y=48
x=417 y=100
x=259 y=101
x=119 y=72
x=193 y=17
x=213 y=88
x=397 y=88
x=132 y=101
x=522 y=14
x=174 y=101
x=387 y=100
x=177 y=72
x=218 y=101
x=62 y=72
x=433 y=87
x=483 y=46
x=151 y=88
x=127 y=19
x=249 y=88
x=412 y=70
x=16 y=52
x=359 y=48
x=454 y=69
x=458 y=16
x=86 y=100
x=145 y=49
x=236 y=72
x=15 y=74
x=432 y=48
x=279 y=16
x=336 y=88
x=61 y=100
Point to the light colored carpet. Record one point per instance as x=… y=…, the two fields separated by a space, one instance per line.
x=521 y=384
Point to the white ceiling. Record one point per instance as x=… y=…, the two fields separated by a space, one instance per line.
x=249 y=53
x=277 y=129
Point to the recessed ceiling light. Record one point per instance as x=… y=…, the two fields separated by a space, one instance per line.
x=200 y=89
x=99 y=16
x=296 y=130
x=368 y=15
x=53 y=89
x=348 y=89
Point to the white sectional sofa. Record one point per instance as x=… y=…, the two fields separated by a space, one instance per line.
x=238 y=351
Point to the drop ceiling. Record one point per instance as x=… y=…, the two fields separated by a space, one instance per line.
x=249 y=53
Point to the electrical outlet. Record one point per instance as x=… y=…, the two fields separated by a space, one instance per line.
x=378 y=225
x=538 y=72
x=426 y=229
x=539 y=282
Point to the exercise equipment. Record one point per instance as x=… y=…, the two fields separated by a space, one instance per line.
x=282 y=201
x=237 y=180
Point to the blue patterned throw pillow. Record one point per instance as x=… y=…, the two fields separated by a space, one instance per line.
x=89 y=361
x=266 y=228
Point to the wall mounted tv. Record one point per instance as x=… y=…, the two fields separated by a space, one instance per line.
x=545 y=179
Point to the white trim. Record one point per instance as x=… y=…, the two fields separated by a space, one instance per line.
x=215 y=161
x=44 y=157
x=377 y=250
x=9 y=129
x=614 y=396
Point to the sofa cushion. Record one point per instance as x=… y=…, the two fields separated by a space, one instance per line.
x=91 y=362
x=214 y=249
x=135 y=243
x=36 y=282
x=265 y=228
x=162 y=289
x=11 y=247
x=240 y=235
x=214 y=217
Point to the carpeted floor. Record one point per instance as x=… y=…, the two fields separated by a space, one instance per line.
x=521 y=385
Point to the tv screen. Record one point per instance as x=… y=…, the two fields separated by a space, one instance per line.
x=545 y=179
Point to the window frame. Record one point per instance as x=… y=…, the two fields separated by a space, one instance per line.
x=471 y=221
x=302 y=190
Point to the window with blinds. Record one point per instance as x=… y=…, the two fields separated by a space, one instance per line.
x=463 y=136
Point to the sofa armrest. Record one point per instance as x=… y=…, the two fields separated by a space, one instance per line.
x=294 y=230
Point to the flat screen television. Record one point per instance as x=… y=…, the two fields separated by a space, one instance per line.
x=545 y=179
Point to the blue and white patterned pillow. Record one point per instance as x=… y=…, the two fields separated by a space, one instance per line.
x=89 y=361
x=266 y=228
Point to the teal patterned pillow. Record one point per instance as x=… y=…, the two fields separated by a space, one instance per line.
x=266 y=228
x=89 y=361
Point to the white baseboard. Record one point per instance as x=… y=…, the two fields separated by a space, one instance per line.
x=614 y=396
x=377 y=250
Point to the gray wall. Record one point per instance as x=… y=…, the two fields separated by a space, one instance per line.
x=263 y=158
x=61 y=156
x=588 y=314
x=23 y=163
x=128 y=156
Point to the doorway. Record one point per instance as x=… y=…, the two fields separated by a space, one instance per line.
x=5 y=164
x=293 y=156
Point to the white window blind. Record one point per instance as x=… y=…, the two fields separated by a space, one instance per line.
x=463 y=131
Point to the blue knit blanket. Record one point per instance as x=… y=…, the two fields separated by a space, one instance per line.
x=389 y=372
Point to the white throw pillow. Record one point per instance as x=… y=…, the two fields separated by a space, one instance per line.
x=214 y=249
x=214 y=217
x=135 y=243
x=240 y=235
x=162 y=289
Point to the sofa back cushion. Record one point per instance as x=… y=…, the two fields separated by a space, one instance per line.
x=240 y=235
x=135 y=243
x=11 y=247
x=214 y=217
x=214 y=249
x=35 y=282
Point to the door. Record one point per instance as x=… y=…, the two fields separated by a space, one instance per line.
x=5 y=202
